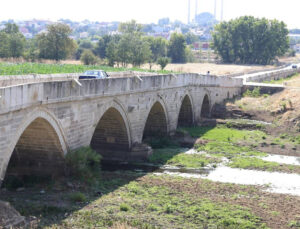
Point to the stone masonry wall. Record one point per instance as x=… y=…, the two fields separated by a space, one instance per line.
x=73 y=111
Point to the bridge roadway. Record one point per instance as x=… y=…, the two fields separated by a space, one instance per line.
x=41 y=122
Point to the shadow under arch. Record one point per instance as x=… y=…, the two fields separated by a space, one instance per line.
x=111 y=137
x=205 y=108
x=185 y=116
x=38 y=147
x=156 y=123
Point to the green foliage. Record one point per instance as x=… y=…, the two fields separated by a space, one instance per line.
x=39 y=68
x=254 y=93
x=294 y=224
x=88 y=58
x=177 y=48
x=12 y=42
x=249 y=40
x=56 y=43
x=31 y=51
x=77 y=197
x=282 y=80
x=163 y=62
x=124 y=207
x=83 y=163
x=158 y=47
x=161 y=142
x=130 y=27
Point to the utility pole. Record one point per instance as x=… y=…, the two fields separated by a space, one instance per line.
x=189 y=11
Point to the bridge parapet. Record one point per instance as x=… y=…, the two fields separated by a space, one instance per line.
x=22 y=96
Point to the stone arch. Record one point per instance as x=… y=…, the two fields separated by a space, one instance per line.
x=186 y=114
x=111 y=137
x=157 y=121
x=38 y=147
x=205 y=108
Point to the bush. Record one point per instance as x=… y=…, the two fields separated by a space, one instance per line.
x=83 y=163
x=162 y=142
x=163 y=62
x=124 y=207
x=88 y=58
x=77 y=197
x=254 y=93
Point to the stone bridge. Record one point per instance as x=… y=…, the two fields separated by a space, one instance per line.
x=41 y=122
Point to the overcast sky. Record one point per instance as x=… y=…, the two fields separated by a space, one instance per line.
x=146 y=11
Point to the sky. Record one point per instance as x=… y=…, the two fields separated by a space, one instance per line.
x=147 y=11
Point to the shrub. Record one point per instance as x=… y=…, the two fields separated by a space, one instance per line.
x=77 y=197
x=163 y=62
x=162 y=142
x=124 y=207
x=254 y=93
x=83 y=163
x=88 y=58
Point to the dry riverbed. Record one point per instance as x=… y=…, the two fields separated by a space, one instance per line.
x=136 y=197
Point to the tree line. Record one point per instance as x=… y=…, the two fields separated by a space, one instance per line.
x=245 y=40
x=249 y=40
x=129 y=46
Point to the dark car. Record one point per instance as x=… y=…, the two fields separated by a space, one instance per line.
x=93 y=74
x=294 y=66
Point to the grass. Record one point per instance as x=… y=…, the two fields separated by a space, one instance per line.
x=144 y=205
x=239 y=146
x=40 y=68
x=77 y=197
x=176 y=157
x=260 y=164
x=229 y=150
x=224 y=134
x=282 y=80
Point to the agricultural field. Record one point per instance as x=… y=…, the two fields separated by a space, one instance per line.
x=75 y=66
x=43 y=68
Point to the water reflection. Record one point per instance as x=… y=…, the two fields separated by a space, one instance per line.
x=291 y=160
x=274 y=181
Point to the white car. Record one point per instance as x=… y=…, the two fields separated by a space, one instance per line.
x=94 y=74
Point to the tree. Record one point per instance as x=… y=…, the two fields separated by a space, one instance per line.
x=112 y=53
x=141 y=51
x=4 y=45
x=163 y=62
x=158 y=46
x=56 y=44
x=31 y=51
x=102 y=44
x=249 y=40
x=12 y=41
x=131 y=27
x=176 y=49
x=83 y=45
x=132 y=48
x=88 y=57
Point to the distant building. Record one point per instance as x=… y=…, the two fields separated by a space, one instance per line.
x=205 y=46
x=84 y=35
x=296 y=47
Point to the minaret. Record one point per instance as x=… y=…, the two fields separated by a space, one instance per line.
x=189 y=12
x=215 y=9
x=196 y=9
x=222 y=5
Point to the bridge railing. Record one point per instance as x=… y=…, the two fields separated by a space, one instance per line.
x=22 y=96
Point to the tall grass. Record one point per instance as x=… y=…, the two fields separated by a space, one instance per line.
x=40 y=68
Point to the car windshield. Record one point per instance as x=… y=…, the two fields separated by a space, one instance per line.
x=94 y=73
